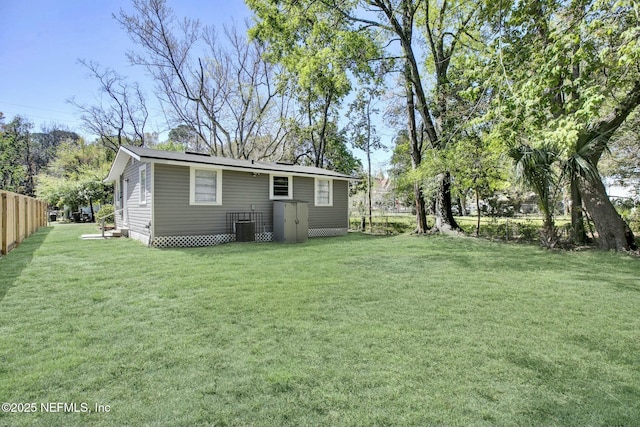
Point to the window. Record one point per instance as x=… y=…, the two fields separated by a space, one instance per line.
x=281 y=187
x=143 y=185
x=324 y=192
x=206 y=187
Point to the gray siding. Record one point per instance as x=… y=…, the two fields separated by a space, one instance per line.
x=174 y=216
x=336 y=216
x=139 y=215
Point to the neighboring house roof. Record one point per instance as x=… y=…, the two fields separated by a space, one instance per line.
x=188 y=159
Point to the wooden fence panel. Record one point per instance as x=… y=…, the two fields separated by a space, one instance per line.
x=3 y=223
x=20 y=216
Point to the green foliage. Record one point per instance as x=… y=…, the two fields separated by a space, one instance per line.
x=320 y=54
x=400 y=171
x=75 y=177
x=24 y=154
x=339 y=158
x=106 y=213
x=315 y=43
x=181 y=138
x=622 y=160
x=171 y=145
x=477 y=163
x=385 y=223
x=565 y=66
x=16 y=168
x=565 y=85
x=534 y=167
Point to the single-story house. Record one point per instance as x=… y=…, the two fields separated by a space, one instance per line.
x=169 y=199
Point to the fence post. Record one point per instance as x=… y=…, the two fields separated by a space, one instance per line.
x=5 y=215
x=27 y=222
x=16 y=236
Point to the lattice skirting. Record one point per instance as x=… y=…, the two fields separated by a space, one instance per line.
x=267 y=236
x=327 y=232
x=203 y=240
x=217 y=239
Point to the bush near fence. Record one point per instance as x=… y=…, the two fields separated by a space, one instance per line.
x=20 y=216
x=516 y=229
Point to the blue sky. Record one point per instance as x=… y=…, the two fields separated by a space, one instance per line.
x=42 y=40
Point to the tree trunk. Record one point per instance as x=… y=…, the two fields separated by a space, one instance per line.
x=613 y=231
x=369 y=204
x=577 y=216
x=416 y=153
x=93 y=217
x=478 y=211
x=421 y=212
x=462 y=201
x=549 y=237
x=370 y=214
x=445 y=223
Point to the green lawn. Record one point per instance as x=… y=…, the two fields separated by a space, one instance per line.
x=357 y=330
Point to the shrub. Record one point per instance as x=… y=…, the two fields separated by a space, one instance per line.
x=105 y=212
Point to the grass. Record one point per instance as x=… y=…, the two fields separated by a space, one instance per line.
x=360 y=330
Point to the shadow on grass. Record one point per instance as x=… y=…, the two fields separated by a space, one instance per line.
x=12 y=264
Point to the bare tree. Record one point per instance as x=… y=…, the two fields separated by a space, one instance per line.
x=120 y=115
x=228 y=97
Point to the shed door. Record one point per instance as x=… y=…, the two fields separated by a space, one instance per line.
x=290 y=222
x=302 y=222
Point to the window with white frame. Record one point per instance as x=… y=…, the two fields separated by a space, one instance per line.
x=281 y=187
x=324 y=192
x=143 y=184
x=205 y=186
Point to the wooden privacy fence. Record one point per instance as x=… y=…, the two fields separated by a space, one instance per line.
x=20 y=216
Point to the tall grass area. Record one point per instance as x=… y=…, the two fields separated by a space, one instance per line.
x=517 y=229
x=354 y=330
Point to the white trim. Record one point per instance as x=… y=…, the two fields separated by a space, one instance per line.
x=140 y=237
x=125 y=201
x=192 y=185
x=142 y=191
x=120 y=163
x=315 y=192
x=290 y=186
x=117 y=191
x=152 y=226
x=255 y=170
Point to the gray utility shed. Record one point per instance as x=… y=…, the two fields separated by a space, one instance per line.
x=168 y=199
x=290 y=221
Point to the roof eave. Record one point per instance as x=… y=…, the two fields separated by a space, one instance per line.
x=124 y=153
x=119 y=163
x=256 y=167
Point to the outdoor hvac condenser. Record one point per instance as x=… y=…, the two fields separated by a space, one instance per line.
x=245 y=231
x=290 y=221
